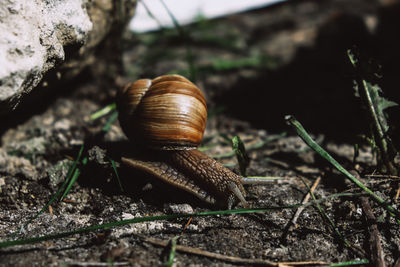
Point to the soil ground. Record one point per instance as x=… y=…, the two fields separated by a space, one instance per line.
x=254 y=68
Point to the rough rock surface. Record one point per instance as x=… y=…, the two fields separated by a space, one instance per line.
x=37 y=36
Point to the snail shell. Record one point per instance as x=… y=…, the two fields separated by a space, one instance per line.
x=166 y=113
x=169 y=114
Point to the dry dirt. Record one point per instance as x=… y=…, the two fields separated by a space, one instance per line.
x=303 y=71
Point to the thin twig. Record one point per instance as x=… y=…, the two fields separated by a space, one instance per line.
x=377 y=254
x=332 y=224
x=279 y=163
x=234 y=259
x=311 y=143
x=395 y=177
x=397 y=195
x=327 y=218
x=305 y=200
x=79 y=263
x=51 y=210
x=186 y=225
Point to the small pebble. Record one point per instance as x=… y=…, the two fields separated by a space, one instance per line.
x=180 y=208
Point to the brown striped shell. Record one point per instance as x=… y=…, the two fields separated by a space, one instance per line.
x=166 y=113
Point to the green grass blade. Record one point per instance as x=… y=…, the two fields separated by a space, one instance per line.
x=375 y=105
x=172 y=252
x=311 y=143
x=71 y=182
x=267 y=178
x=261 y=180
x=55 y=196
x=110 y=121
x=241 y=155
x=164 y=217
x=102 y=112
x=116 y=173
x=250 y=147
x=349 y=263
x=151 y=15
x=325 y=216
x=182 y=33
x=73 y=179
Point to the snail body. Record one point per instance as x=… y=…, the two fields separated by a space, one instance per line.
x=167 y=115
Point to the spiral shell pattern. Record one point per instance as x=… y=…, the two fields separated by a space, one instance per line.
x=166 y=113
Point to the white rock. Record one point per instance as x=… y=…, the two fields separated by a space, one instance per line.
x=37 y=36
x=32 y=36
x=181 y=208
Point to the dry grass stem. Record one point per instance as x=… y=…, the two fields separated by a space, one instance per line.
x=197 y=251
x=377 y=254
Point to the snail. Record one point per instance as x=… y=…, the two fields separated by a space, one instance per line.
x=167 y=116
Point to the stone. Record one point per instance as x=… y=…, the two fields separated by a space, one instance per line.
x=180 y=208
x=44 y=41
x=17 y=166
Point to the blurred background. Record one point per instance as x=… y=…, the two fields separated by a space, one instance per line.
x=256 y=61
x=152 y=15
x=260 y=60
